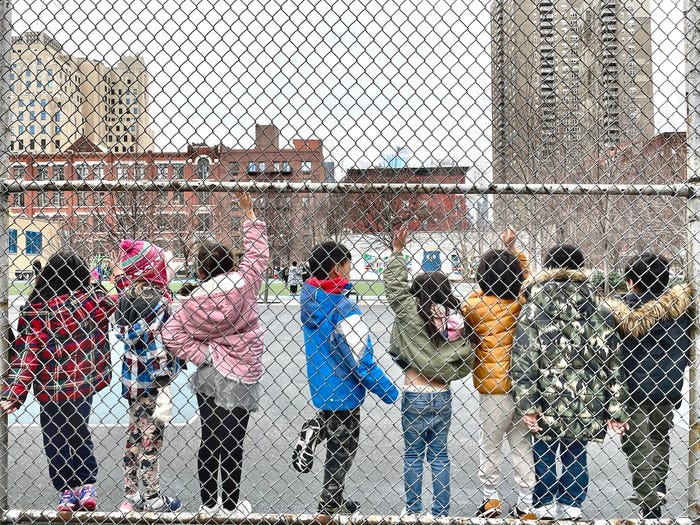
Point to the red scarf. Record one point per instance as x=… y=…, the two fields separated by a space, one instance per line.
x=337 y=285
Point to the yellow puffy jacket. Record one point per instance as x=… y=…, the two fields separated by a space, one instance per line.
x=493 y=321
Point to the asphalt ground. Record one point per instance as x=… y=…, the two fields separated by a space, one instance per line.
x=270 y=483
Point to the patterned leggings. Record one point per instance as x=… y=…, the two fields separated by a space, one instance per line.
x=144 y=442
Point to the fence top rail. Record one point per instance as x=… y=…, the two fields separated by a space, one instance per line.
x=675 y=190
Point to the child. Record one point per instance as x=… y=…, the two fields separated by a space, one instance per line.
x=146 y=369
x=341 y=368
x=62 y=354
x=491 y=312
x=218 y=328
x=422 y=345
x=294 y=279
x=567 y=379
x=655 y=322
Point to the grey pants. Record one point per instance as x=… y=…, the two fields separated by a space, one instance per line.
x=341 y=429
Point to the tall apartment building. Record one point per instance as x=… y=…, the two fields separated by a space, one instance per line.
x=57 y=98
x=571 y=80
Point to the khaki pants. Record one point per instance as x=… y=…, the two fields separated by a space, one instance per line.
x=498 y=422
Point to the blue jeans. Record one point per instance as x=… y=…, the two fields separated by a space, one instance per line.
x=571 y=487
x=68 y=443
x=425 y=419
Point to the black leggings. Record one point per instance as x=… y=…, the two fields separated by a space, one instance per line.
x=221 y=450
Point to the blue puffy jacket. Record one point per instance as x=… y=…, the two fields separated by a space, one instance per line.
x=339 y=356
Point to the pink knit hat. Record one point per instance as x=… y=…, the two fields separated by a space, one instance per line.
x=144 y=261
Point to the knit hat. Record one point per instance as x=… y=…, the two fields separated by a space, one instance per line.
x=144 y=261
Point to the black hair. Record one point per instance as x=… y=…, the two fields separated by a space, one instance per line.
x=565 y=256
x=499 y=273
x=64 y=273
x=325 y=256
x=432 y=288
x=215 y=259
x=294 y=263
x=648 y=272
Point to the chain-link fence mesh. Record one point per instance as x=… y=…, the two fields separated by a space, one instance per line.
x=490 y=132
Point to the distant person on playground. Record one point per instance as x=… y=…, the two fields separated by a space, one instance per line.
x=218 y=328
x=62 y=352
x=294 y=278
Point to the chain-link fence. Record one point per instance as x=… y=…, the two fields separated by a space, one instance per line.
x=174 y=345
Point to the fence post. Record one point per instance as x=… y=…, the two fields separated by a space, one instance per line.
x=5 y=67
x=692 y=41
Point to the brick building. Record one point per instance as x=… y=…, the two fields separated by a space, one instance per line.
x=94 y=222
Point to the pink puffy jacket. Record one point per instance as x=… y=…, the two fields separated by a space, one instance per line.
x=219 y=321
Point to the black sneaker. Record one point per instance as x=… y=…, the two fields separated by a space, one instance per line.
x=346 y=507
x=309 y=437
x=490 y=508
x=647 y=513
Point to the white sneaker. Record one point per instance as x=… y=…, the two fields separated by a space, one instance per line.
x=546 y=512
x=132 y=502
x=208 y=511
x=408 y=516
x=242 y=510
x=568 y=512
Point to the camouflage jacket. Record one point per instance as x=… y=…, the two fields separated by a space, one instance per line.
x=565 y=363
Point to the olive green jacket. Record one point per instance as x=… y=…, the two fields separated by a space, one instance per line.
x=410 y=342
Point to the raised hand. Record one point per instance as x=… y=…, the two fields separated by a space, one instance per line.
x=398 y=243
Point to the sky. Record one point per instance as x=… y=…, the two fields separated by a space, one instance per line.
x=366 y=77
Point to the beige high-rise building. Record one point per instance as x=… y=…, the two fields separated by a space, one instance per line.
x=58 y=98
x=571 y=81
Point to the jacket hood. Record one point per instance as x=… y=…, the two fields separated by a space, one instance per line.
x=560 y=293
x=637 y=321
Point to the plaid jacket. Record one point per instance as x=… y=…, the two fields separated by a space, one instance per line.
x=61 y=349
x=141 y=313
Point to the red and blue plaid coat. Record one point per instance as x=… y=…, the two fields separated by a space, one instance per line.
x=62 y=348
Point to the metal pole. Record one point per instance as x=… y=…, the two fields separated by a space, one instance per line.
x=5 y=68
x=692 y=39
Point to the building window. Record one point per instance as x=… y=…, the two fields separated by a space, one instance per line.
x=19 y=200
x=83 y=172
x=203 y=222
x=42 y=199
x=203 y=197
x=233 y=168
x=203 y=168
x=261 y=166
x=178 y=198
x=99 y=171
x=59 y=172
x=252 y=167
x=32 y=129
x=34 y=242
x=12 y=241
x=42 y=172
x=20 y=115
x=83 y=198
x=286 y=168
x=162 y=170
x=57 y=117
x=306 y=166
x=178 y=171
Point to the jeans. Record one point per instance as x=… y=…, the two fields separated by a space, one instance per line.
x=571 y=487
x=425 y=418
x=68 y=443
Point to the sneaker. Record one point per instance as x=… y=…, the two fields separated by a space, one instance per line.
x=647 y=513
x=636 y=500
x=242 y=510
x=67 y=501
x=132 y=502
x=546 y=512
x=208 y=511
x=569 y=512
x=87 y=497
x=346 y=507
x=309 y=437
x=408 y=516
x=490 y=508
x=522 y=514
x=161 y=503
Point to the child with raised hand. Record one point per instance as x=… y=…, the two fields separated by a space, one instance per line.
x=341 y=369
x=491 y=313
x=432 y=355
x=147 y=369
x=218 y=328
x=62 y=354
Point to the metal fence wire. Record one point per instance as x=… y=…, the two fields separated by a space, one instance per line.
x=188 y=187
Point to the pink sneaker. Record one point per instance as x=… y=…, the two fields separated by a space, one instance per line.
x=87 y=497
x=67 y=502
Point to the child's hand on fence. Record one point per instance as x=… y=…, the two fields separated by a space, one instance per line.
x=8 y=407
x=398 y=243
x=531 y=423
x=619 y=427
x=246 y=205
x=509 y=236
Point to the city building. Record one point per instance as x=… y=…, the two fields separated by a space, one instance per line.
x=570 y=80
x=95 y=221
x=57 y=98
x=31 y=241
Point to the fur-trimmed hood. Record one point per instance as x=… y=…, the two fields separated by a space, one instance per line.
x=672 y=304
x=556 y=274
